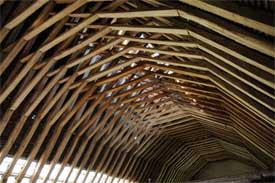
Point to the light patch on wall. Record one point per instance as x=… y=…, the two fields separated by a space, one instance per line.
x=101 y=178
x=125 y=42
x=155 y=55
x=120 y=32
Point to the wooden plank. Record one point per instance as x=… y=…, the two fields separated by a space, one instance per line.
x=126 y=113
x=232 y=16
x=20 y=18
x=196 y=35
x=233 y=34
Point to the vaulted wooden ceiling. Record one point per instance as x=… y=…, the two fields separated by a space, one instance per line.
x=142 y=90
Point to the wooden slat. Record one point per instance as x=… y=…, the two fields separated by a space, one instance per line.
x=134 y=90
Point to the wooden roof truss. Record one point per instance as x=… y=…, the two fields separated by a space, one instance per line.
x=139 y=90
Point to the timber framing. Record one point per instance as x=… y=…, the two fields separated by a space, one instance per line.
x=134 y=91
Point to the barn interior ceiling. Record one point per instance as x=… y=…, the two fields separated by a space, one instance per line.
x=134 y=90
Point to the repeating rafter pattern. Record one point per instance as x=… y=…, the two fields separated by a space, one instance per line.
x=139 y=90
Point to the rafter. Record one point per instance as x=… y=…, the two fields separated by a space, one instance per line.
x=133 y=91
